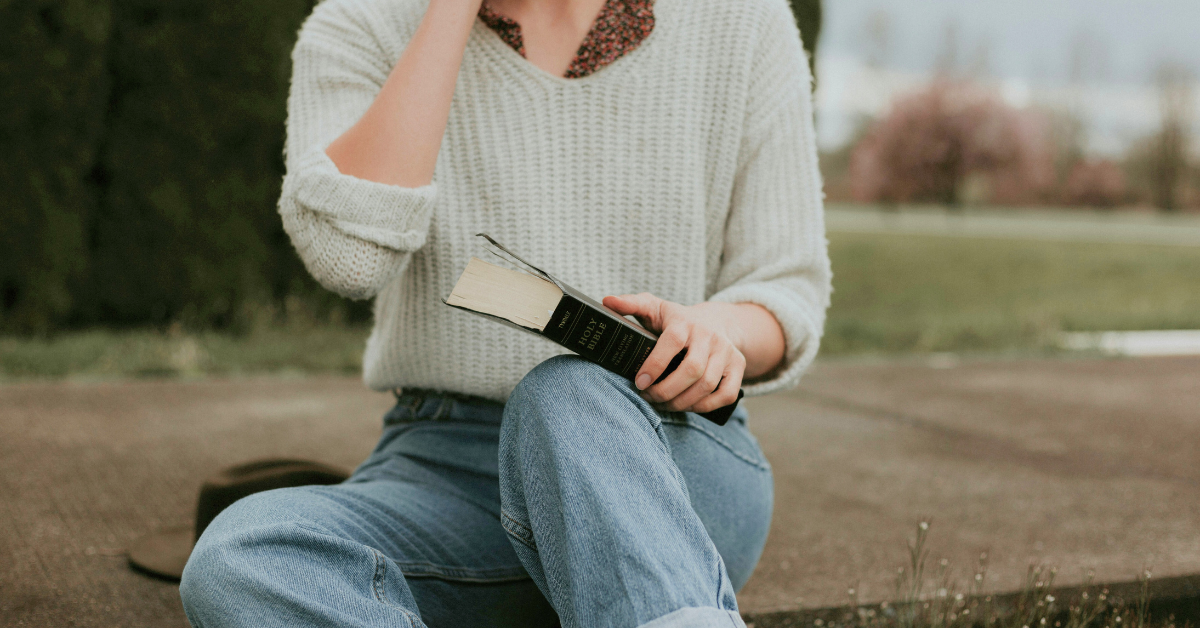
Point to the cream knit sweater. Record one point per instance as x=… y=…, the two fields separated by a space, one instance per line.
x=686 y=169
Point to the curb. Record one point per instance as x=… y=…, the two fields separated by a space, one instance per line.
x=1177 y=597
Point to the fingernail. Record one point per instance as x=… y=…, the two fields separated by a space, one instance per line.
x=643 y=381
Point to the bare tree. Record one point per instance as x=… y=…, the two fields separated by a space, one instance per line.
x=1090 y=57
x=946 y=63
x=879 y=38
x=981 y=59
x=1170 y=147
x=1088 y=62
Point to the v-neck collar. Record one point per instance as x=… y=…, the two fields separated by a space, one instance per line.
x=502 y=45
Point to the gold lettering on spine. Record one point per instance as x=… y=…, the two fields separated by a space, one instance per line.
x=592 y=333
x=618 y=354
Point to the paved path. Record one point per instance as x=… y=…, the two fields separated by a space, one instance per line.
x=1122 y=227
x=1086 y=464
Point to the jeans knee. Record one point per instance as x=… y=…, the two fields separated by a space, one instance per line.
x=568 y=379
x=562 y=371
x=567 y=397
x=223 y=564
x=204 y=582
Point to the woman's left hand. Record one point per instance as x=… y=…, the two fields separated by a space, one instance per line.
x=713 y=333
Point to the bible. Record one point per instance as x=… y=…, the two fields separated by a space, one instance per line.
x=534 y=301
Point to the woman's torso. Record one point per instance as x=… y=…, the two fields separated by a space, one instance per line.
x=616 y=182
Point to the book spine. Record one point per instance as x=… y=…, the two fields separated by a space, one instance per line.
x=612 y=342
x=599 y=336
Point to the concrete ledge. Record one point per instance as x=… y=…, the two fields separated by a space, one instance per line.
x=1083 y=464
x=1177 y=598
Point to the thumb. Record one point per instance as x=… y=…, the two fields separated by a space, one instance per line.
x=645 y=306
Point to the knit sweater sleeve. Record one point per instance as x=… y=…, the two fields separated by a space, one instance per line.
x=775 y=251
x=352 y=234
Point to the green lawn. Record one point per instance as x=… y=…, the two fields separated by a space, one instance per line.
x=905 y=293
x=893 y=294
x=144 y=353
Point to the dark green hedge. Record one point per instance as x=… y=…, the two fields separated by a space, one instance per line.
x=140 y=161
x=808 y=19
x=53 y=86
x=193 y=160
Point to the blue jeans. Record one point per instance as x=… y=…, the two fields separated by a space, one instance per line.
x=576 y=502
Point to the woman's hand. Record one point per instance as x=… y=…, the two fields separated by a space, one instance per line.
x=724 y=342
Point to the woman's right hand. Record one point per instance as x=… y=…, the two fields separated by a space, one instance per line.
x=397 y=140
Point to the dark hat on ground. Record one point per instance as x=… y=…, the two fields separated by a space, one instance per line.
x=163 y=554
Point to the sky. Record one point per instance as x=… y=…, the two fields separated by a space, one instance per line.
x=1101 y=54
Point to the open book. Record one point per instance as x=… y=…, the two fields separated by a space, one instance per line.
x=534 y=301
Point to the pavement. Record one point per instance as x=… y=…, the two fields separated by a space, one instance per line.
x=1083 y=464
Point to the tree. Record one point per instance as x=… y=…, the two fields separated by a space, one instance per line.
x=808 y=19
x=192 y=161
x=878 y=33
x=54 y=88
x=933 y=142
x=1095 y=183
x=1170 y=147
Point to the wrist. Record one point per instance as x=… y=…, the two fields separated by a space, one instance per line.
x=757 y=334
x=452 y=18
x=456 y=6
x=727 y=320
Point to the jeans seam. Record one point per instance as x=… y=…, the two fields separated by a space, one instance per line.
x=445 y=405
x=685 y=423
x=377 y=588
x=443 y=572
x=380 y=571
x=460 y=574
x=521 y=532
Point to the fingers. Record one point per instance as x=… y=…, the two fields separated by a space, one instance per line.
x=712 y=368
x=672 y=341
x=727 y=392
x=718 y=364
x=692 y=369
x=647 y=307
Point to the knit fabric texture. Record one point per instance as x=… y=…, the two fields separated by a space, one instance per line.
x=687 y=168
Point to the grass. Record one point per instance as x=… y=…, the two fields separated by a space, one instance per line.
x=893 y=294
x=106 y=354
x=930 y=598
x=913 y=294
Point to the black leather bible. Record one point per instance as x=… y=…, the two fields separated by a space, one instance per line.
x=536 y=302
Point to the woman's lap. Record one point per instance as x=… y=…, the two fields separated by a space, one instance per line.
x=426 y=504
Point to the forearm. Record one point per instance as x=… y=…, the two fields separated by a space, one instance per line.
x=396 y=141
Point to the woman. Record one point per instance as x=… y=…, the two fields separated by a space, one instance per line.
x=663 y=151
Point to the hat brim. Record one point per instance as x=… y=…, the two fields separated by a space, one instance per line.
x=163 y=554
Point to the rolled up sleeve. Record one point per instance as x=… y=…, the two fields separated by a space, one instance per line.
x=775 y=253
x=352 y=234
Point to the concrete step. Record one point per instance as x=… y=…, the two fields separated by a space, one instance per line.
x=1083 y=464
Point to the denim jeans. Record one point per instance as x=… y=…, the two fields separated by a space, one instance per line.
x=575 y=502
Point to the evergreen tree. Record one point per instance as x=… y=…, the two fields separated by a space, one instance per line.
x=54 y=87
